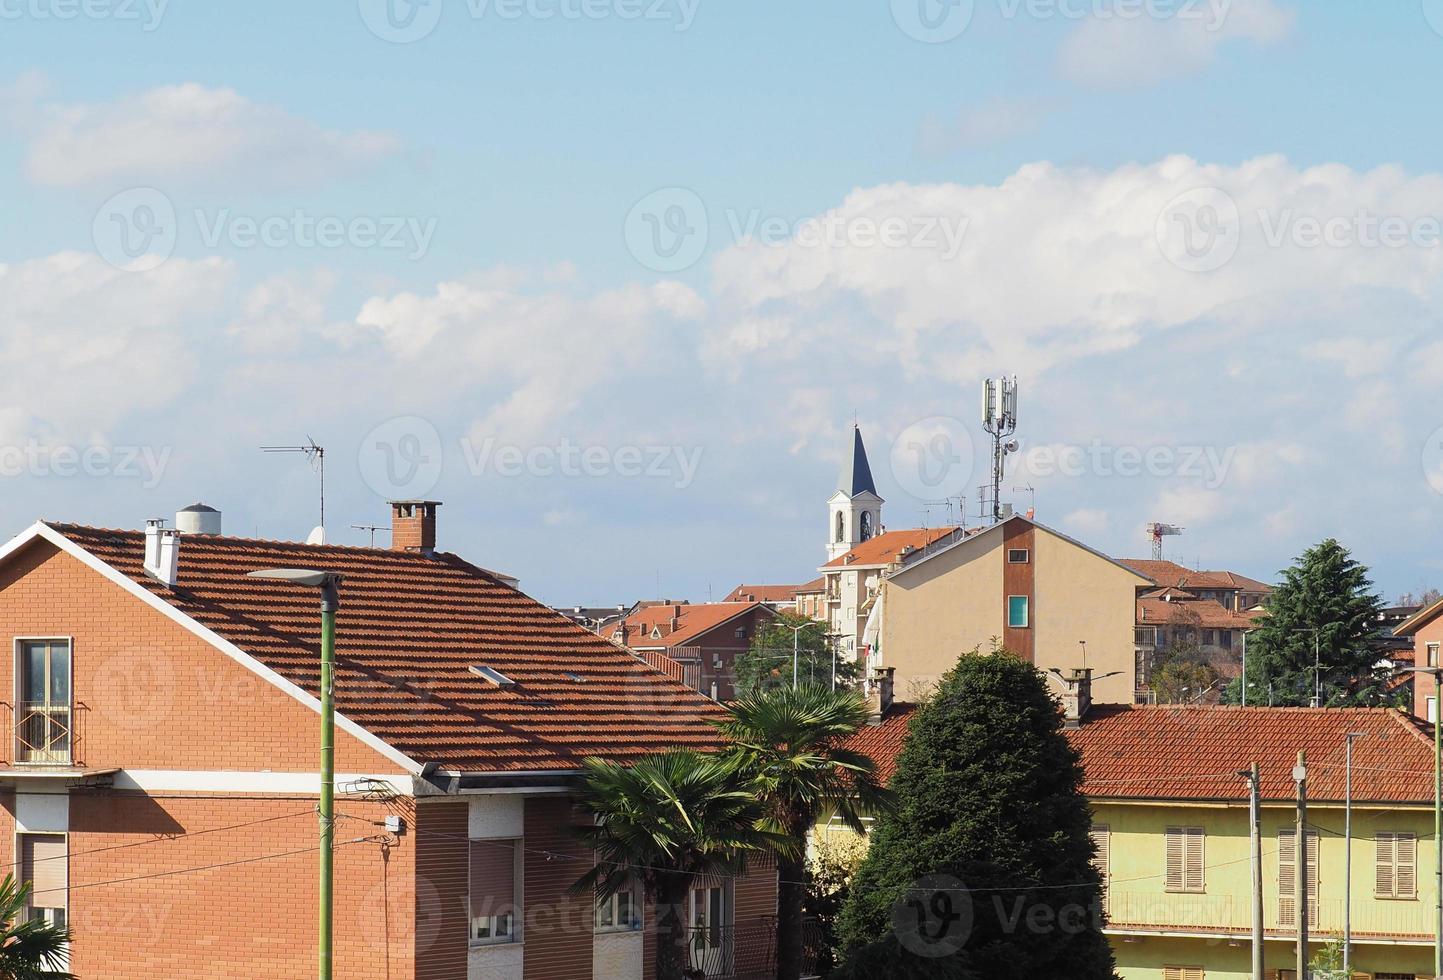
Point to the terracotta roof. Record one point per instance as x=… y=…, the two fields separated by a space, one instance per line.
x=1180 y=612
x=410 y=628
x=1169 y=573
x=762 y=593
x=1194 y=753
x=692 y=621
x=818 y=584
x=883 y=743
x=887 y=546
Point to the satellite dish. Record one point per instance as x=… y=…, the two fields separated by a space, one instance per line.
x=317 y=536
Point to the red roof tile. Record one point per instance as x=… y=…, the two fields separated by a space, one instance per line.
x=883 y=743
x=691 y=621
x=1169 y=573
x=410 y=628
x=1195 y=753
x=762 y=593
x=1205 y=613
x=886 y=547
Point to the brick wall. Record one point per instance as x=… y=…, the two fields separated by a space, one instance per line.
x=559 y=926
x=442 y=919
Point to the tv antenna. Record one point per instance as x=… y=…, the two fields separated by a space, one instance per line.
x=1029 y=489
x=317 y=457
x=999 y=418
x=373 y=528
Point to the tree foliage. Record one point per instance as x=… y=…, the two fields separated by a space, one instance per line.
x=1325 y=598
x=767 y=661
x=989 y=798
x=30 y=949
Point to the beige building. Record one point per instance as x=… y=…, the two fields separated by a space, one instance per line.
x=1050 y=599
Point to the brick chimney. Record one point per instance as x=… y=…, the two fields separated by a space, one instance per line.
x=1078 y=699
x=413 y=525
x=880 y=692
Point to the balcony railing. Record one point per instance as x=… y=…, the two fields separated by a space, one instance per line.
x=1232 y=914
x=46 y=734
x=747 y=951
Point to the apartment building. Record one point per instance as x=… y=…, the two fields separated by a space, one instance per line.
x=698 y=643
x=160 y=777
x=1424 y=630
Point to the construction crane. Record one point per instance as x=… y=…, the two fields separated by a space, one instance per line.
x=1157 y=532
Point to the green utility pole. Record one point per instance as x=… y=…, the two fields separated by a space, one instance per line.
x=329 y=602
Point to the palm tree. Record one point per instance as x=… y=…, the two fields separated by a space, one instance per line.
x=30 y=949
x=788 y=741
x=664 y=822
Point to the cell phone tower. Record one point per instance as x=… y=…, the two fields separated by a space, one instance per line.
x=999 y=418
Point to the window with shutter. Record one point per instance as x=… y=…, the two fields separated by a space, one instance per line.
x=495 y=904
x=1287 y=877
x=43 y=863
x=1102 y=856
x=1182 y=973
x=1185 y=860
x=1397 y=866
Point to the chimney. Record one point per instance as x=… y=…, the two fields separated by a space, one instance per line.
x=880 y=691
x=1078 y=699
x=413 y=525
x=162 y=552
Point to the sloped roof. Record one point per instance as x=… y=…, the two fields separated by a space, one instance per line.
x=1170 y=573
x=885 y=548
x=409 y=630
x=762 y=593
x=1154 y=611
x=856 y=475
x=883 y=742
x=1419 y=619
x=1195 y=753
x=693 y=620
x=818 y=584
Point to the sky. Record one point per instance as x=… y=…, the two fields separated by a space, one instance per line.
x=613 y=279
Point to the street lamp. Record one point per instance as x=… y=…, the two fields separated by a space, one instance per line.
x=796 y=632
x=1437 y=673
x=329 y=585
x=1317 y=664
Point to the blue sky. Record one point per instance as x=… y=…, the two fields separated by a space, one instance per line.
x=489 y=312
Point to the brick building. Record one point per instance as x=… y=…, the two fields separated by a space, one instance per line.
x=701 y=640
x=161 y=778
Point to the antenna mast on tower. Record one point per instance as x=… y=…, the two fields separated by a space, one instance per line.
x=999 y=418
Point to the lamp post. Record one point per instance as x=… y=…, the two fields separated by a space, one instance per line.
x=1348 y=855
x=329 y=586
x=796 y=632
x=1437 y=673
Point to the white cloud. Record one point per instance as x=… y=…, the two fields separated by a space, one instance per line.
x=984 y=123
x=87 y=346
x=188 y=133
x=278 y=312
x=1119 y=52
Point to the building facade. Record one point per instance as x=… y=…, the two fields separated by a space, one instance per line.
x=1425 y=631
x=703 y=640
x=159 y=780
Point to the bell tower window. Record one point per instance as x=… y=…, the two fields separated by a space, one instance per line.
x=866 y=525
x=841 y=527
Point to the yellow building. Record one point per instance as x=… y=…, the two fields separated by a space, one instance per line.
x=1049 y=599
x=1171 y=825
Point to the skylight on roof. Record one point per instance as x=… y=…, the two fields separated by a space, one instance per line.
x=492 y=675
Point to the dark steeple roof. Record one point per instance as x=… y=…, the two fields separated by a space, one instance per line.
x=856 y=476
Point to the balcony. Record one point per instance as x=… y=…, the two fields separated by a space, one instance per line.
x=748 y=952
x=1377 y=920
x=46 y=734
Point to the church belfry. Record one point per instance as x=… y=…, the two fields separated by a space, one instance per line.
x=854 y=511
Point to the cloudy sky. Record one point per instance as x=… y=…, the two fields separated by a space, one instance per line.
x=613 y=278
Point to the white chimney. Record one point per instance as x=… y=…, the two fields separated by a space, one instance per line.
x=198 y=519
x=162 y=552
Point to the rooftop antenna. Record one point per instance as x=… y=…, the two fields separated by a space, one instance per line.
x=1157 y=531
x=999 y=418
x=373 y=528
x=1032 y=500
x=317 y=456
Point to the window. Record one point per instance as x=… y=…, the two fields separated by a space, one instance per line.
x=1288 y=881
x=708 y=911
x=1432 y=655
x=42 y=710
x=1397 y=869
x=1017 y=612
x=1185 y=859
x=841 y=527
x=43 y=862
x=619 y=913
x=495 y=895
x=1432 y=711
x=866 y=534
x=1182 y=973
x=1017 y=556
x=1102 y=855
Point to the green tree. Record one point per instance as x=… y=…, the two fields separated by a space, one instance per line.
x=787 y=741
x=986 y=864
x=662 y=822
x=767 y=661
x=1324 y=598
x=1182 y=674
x=30 y=949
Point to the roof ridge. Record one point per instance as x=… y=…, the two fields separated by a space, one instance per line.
x=62 y=526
